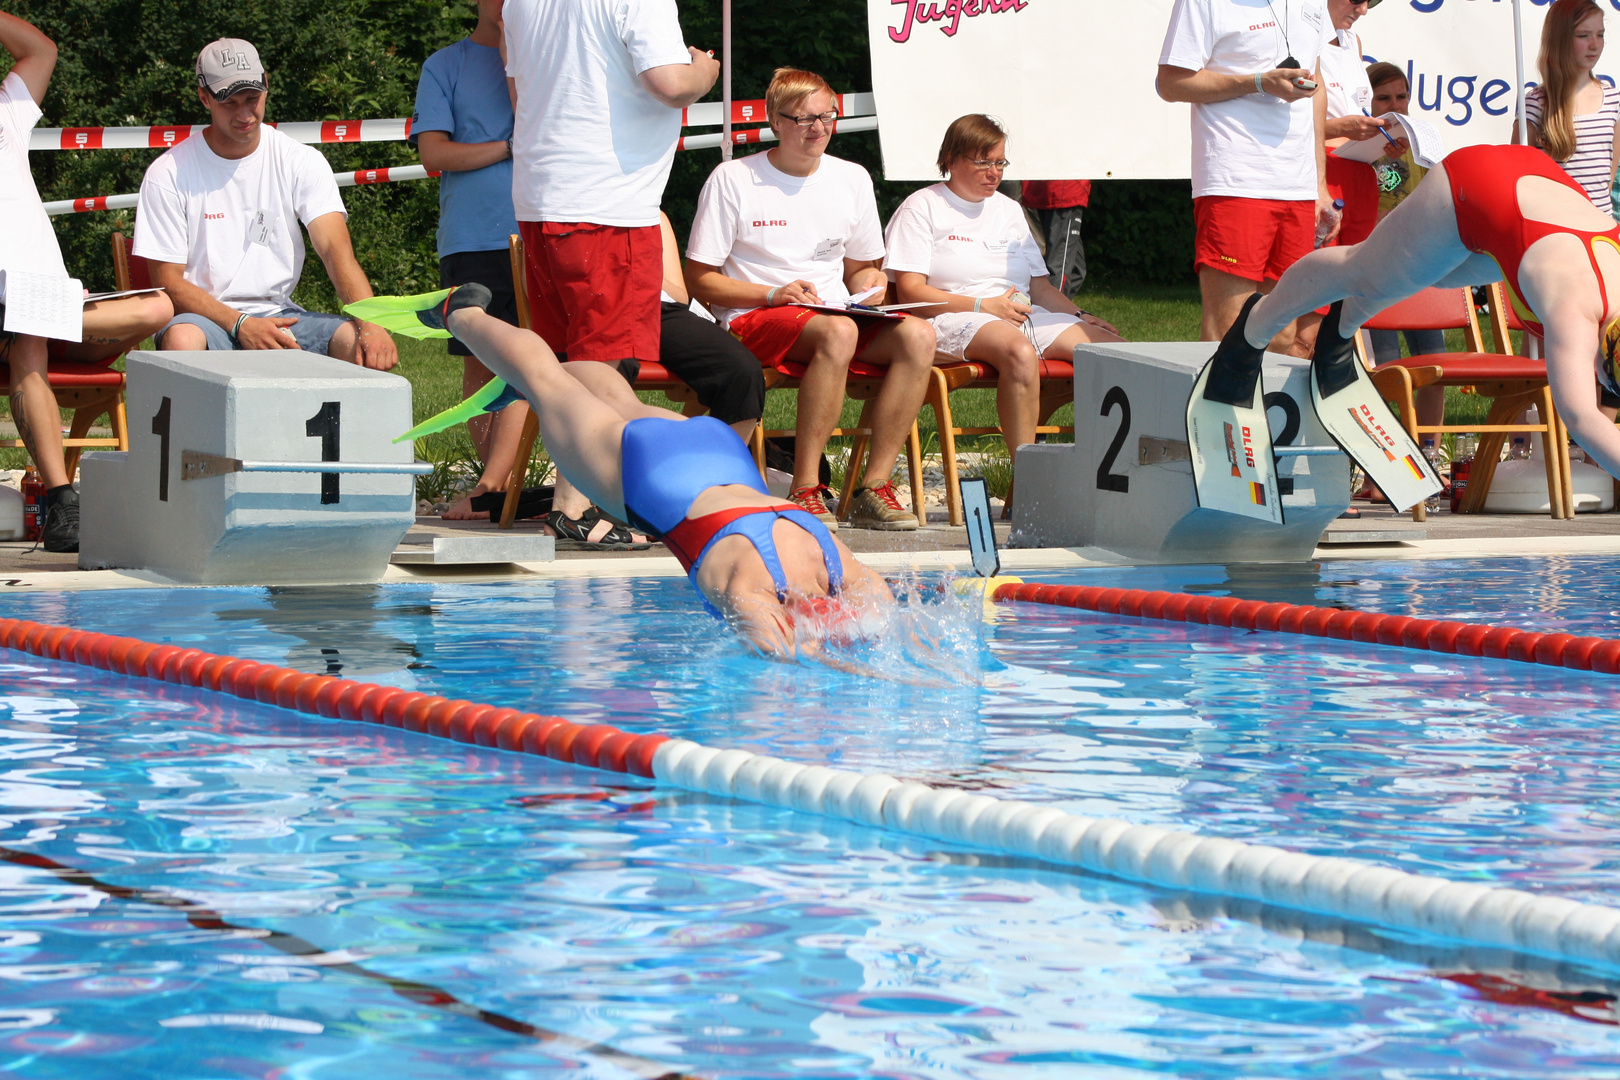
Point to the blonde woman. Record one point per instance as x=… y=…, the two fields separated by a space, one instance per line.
x=1574 y=116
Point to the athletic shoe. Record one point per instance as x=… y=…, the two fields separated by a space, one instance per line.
x=813 y=501
x=879 y=508
x=62 y=522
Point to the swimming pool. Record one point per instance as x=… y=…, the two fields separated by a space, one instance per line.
x=733 y=940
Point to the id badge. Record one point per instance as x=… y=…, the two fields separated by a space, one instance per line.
x=827 y=248
x=260 y=228
x=998 y=247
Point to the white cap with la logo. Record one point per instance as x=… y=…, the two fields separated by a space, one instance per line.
x=228 y=66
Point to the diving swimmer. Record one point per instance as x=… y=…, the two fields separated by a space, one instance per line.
x=1485 y=214
x=762 y=564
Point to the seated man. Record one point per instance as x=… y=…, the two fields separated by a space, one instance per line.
x=796 y=226
x=767 y=567
x=28 y=244
x=219 y=224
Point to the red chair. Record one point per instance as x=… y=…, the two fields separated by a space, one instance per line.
x=1057 y=390
x=1512 y=383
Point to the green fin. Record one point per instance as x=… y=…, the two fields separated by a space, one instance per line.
x=458 y=414
x=414 y=316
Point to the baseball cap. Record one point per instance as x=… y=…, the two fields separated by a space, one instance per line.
x=229 y=65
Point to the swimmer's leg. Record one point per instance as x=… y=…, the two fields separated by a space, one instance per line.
x=1415 y=247
x=581 y=432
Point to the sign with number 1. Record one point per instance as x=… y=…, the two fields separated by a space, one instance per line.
x=981 y=527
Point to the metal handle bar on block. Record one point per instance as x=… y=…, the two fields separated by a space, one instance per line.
x=1305 y=451
x=196 y=465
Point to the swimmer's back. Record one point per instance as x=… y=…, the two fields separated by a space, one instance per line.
x=669 y=463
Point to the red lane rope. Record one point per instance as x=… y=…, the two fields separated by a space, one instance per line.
x=598 y=746
x=1431 y=635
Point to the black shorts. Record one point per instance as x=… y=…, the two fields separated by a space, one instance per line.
x=491 y=269
x=726 y=377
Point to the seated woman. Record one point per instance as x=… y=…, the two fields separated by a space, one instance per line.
x=967 y=248
x=1485 y=214
x=763 y=565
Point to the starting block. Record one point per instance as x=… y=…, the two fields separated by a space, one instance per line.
x=219 y=485
x=1126 y=483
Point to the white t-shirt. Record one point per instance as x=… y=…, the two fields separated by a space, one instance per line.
x=589 y=143
x=758 y=224
x=234 y=224
x=978 y=249
x=1255 y=146
x=27 y=241
x=1344 y=76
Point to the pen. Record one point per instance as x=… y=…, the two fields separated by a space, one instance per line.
x=1382 y=131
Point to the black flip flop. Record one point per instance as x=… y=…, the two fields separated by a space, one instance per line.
x=534 y=502
x=573 y=534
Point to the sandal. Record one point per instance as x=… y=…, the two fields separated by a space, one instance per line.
x=574 y=534
x=532 y=503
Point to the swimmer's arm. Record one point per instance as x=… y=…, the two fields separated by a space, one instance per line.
x=1572 y=342
x=674 y=279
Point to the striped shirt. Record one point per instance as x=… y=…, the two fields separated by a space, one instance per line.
x=1592 y=163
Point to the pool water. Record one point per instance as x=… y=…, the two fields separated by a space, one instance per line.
x=196 y=886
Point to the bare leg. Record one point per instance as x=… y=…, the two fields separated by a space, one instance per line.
x=1223 y=296
x=826 y=347
x=1415 y=247
x=33 y=409
x=113 y=327
x=908 y=350
x=1018 y=377
x=582 y=432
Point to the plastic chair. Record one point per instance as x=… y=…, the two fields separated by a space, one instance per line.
x=653 y=376
x=1057 y=390
x=1511 y=382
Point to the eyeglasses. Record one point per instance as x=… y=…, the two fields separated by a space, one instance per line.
x=809 y=119
x=999 y=163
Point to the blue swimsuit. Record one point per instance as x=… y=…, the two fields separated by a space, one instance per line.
x=669 y=463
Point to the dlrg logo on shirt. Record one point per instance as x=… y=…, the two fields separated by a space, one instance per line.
x=765 y=224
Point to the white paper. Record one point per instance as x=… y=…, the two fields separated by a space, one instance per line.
x=43 y=306
x=876 y=290
x=1428 y=149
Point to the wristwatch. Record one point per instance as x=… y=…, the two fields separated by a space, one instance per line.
x=509 y=149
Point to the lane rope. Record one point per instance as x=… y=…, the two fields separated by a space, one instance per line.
x=1344 y=624
x=1347 y=888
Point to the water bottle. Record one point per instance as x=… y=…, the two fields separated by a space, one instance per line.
x=1462 y=463
x=33 y=492
x=1520 y=450
x=1431 y=454
x=1329 y=223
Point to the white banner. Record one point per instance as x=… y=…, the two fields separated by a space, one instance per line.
x=1073 y=80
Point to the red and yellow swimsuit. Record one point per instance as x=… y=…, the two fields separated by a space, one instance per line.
x=1485 y=191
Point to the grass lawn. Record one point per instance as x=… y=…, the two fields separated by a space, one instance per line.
x=1142 y=313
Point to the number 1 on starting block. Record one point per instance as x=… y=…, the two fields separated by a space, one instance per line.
x=981 y=529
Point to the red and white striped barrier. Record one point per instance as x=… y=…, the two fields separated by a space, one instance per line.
x=1347 y=888
x=317 y=132
x=397 y=173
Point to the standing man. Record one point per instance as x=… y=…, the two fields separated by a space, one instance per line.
x=28 y=245
x=219 y=224
x=1061 y=206
x=462 y=128
x=599 y=87
x=1259 y=181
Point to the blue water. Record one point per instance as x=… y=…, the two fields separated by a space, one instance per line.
x=739 y=941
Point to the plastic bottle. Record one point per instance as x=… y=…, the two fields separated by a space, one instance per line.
x=1520 y=450
x=1330 y=222
x=1431 y=454
x=33 y=491
x=1462 y=463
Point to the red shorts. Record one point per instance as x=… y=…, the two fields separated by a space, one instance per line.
x=769 y=333
x=1357 y=184
x=594 y=289
x=1255 y=239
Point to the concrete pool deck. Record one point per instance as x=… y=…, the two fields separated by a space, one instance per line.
x=1380 y=533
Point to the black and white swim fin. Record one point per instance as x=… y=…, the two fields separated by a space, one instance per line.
x=1227 y=433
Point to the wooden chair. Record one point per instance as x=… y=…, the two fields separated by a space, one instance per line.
x=1057 y=390
x=90 y=389
x=653 y=376
x=1512 y=383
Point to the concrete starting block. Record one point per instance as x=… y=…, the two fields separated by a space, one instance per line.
x=1126 y=483
x=188 y=500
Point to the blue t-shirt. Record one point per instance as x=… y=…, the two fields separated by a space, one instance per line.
x=463 y=93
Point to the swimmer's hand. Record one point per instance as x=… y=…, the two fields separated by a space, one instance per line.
x=1007 y=307
x=796 y=292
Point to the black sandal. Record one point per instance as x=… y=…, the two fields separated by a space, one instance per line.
x=532 y=503
x=574 y=534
